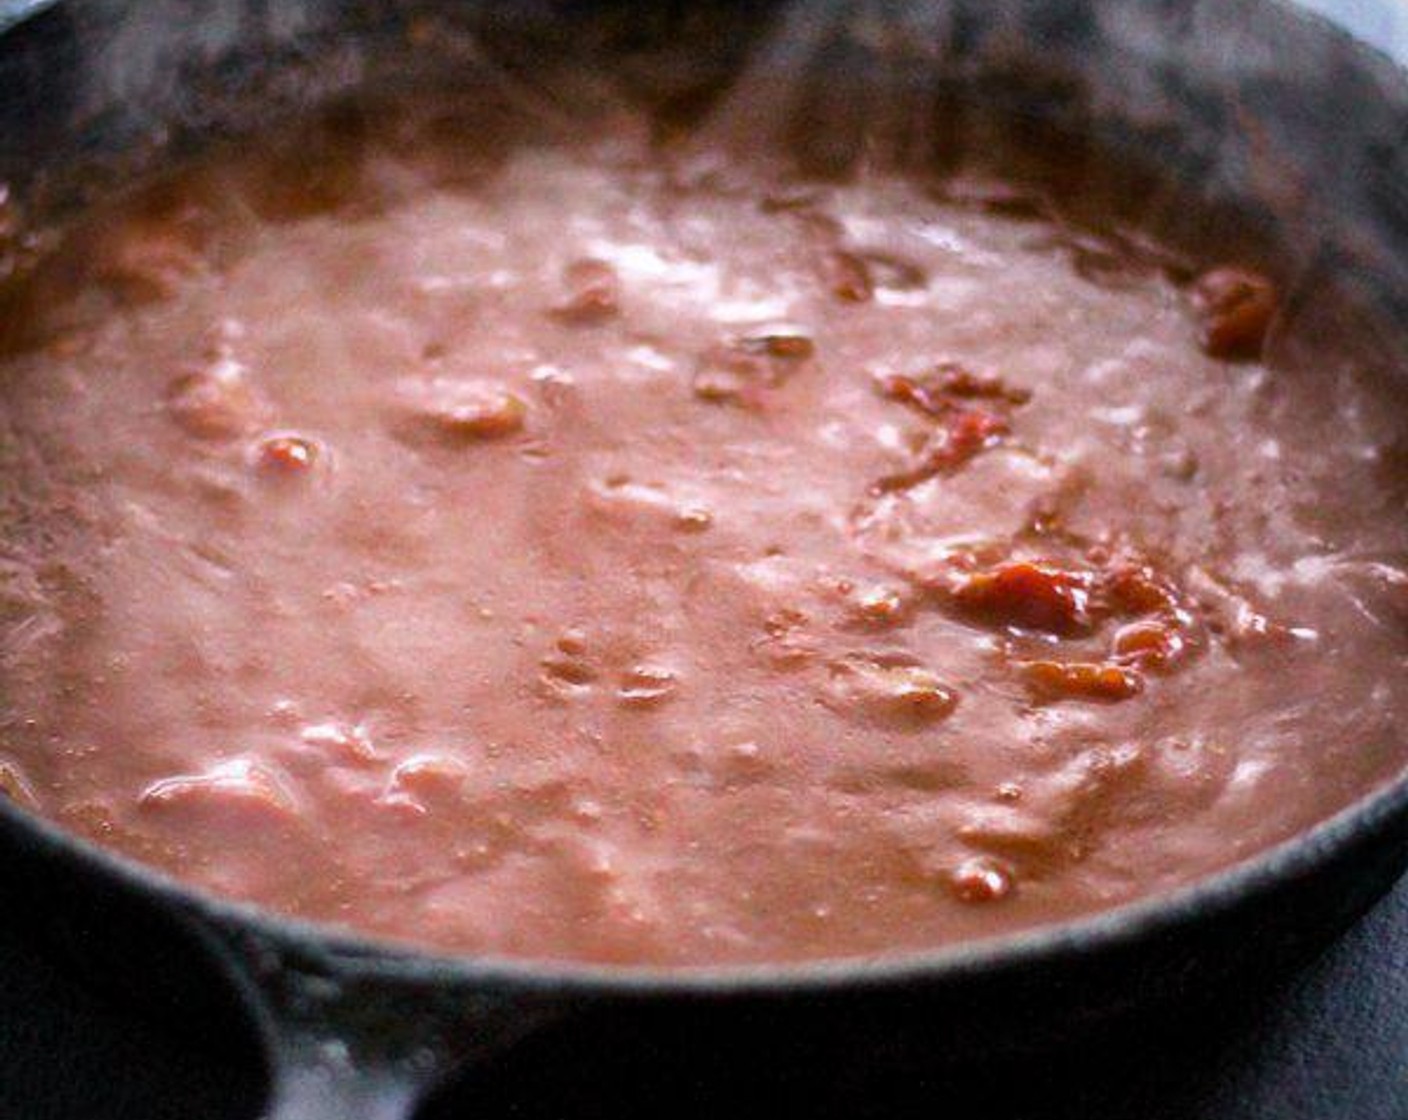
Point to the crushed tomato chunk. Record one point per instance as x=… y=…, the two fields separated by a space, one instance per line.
x=1030 y=596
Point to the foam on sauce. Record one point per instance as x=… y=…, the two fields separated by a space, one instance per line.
x=587 y=558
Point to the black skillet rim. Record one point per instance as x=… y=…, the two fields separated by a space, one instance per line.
x=1371 y=819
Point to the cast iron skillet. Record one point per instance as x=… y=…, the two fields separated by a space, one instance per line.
x=355 y=1029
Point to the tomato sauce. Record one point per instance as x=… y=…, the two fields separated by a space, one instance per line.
x=600 y=555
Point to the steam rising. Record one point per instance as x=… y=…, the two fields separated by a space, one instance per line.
x=1273 y=136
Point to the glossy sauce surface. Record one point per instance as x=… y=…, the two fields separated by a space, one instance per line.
x=600 y=556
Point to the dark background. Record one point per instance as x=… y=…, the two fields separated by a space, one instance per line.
x=1328 y=1044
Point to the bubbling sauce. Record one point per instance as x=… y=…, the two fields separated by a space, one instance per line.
x=583 y=553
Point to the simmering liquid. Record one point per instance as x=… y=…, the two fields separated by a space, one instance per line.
x=584 y=553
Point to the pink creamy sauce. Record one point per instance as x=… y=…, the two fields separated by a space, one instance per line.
x=584 y=557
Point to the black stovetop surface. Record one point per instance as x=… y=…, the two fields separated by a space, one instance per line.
x=1330 y=1044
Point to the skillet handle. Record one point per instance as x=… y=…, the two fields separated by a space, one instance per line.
x=319 y=1081
x=352 y=1037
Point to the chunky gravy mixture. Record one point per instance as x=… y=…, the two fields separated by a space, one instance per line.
x=589 y=556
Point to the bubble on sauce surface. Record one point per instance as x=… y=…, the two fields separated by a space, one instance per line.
x=458 y=410
x=286 y=455
x=981 y=880
x=788 y=640
x=350 y=742
x=593 y=293
x=847 y=276
x=421 y=782
x=235 y=791
x=644 y=506
x=898 y=693
x=566 y=675
x=646 y=685
x=694 y=519
x=1031 y=839
x=216 y=402
x=783 y=342
x=878 y=606
x=745 y=371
